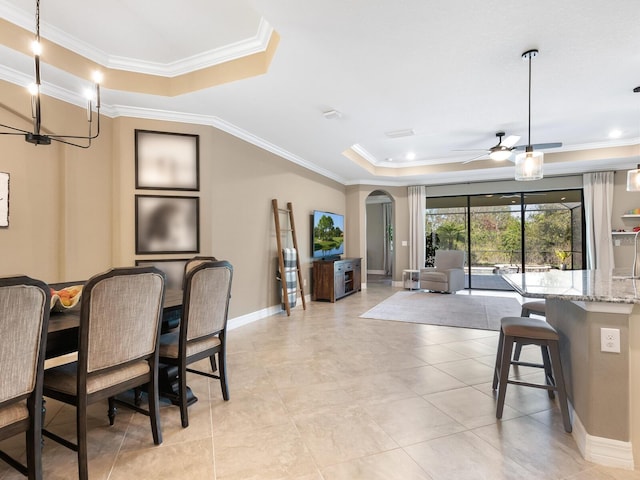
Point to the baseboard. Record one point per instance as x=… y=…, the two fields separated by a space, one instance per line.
x=375 y=272
x=260 y=314
x=603 y=451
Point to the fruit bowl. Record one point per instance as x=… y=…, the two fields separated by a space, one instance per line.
x=65 y=298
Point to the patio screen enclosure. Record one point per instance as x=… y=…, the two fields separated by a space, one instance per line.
x=507 y=233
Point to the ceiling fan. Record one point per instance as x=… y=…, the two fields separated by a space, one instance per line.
x=501 y=151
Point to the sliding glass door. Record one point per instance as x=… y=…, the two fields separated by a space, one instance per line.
x=508 y=233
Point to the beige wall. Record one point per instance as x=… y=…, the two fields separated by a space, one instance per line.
x=72 y=210
x=60 y=201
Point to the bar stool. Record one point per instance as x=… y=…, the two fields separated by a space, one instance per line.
x=537 y=307
x=530 y=331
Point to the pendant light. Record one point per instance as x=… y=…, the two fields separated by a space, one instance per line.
x=36 y=137
x=529 y=163
x=633 y=176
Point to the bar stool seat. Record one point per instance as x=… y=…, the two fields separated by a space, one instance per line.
x=537 y=307
x=526 y=330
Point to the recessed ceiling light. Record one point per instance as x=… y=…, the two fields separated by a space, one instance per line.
x=615 y=133
x=407 y=132
x=411 y=156
x=389 y=159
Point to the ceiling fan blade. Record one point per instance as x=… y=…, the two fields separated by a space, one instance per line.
x=540 y=146
x=510 y=141
x=474 y=158
x=470 y=150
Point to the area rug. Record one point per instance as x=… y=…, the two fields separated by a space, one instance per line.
x=469 y=311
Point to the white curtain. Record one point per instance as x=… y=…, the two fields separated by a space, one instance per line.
x=387 y=221
x=598 y=202
x=417 y=206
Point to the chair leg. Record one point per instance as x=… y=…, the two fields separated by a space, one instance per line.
x=182 y=385
x=560 y=385
x=222 y=358
x=113 y=410
x=34 y=443
x=548 y=371
x=81 y=429
x=518 y=351
x=496 y=370
x=212 y=361
x=505 y=364
x=154 y=406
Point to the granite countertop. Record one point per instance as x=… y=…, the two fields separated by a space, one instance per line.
x=580 y=285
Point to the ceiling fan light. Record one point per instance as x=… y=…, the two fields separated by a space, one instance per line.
x=529 y=166
x=500 y=155
x=633 y=180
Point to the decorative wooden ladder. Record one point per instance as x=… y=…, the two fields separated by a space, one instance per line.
x=279 y=231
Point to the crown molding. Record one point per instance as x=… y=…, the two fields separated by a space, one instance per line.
x=168 y=116
x=242 y=48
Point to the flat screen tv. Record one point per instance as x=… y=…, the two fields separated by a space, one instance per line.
x=328 y=234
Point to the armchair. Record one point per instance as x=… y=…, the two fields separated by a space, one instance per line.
x=448 y=274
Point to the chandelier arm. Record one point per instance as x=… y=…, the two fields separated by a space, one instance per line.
x=72 y=143
x=22 y=132
x=81 y=137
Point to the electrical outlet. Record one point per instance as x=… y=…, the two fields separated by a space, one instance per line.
x=610 y=340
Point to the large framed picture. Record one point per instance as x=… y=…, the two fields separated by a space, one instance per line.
x=167 y=224
x=167 y=161
x=173 y=269
x=4 y=200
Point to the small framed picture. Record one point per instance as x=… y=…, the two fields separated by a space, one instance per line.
x=4 y=200
x=167 y=224
x=173 y=269
x=167 y=161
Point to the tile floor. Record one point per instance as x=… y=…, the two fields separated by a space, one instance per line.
x=327 y=395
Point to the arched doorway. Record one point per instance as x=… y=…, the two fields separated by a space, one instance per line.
x=379 y=238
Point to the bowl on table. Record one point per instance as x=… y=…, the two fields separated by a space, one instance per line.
x=65 y=298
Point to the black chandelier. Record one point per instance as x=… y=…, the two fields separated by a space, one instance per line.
x=37 y=138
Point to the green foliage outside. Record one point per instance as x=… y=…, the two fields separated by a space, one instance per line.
x=496 y=234
x=326 y=236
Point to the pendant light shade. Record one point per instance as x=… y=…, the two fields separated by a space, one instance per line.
x=529 y=165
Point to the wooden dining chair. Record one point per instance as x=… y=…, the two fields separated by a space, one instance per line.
x=24 y=316
x=120 y=317
x=203 y=327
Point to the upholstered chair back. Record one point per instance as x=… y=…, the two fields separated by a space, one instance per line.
x=121 y=313
x=208 y=288
x=446 y=259
x=24 y=311
x=193 y=263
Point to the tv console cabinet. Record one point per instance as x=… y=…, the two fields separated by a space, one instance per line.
x=334 y=279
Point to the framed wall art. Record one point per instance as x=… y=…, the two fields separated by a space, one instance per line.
x=167 y=224
x=4 y=200
x=173 y=269
x=167 y=161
